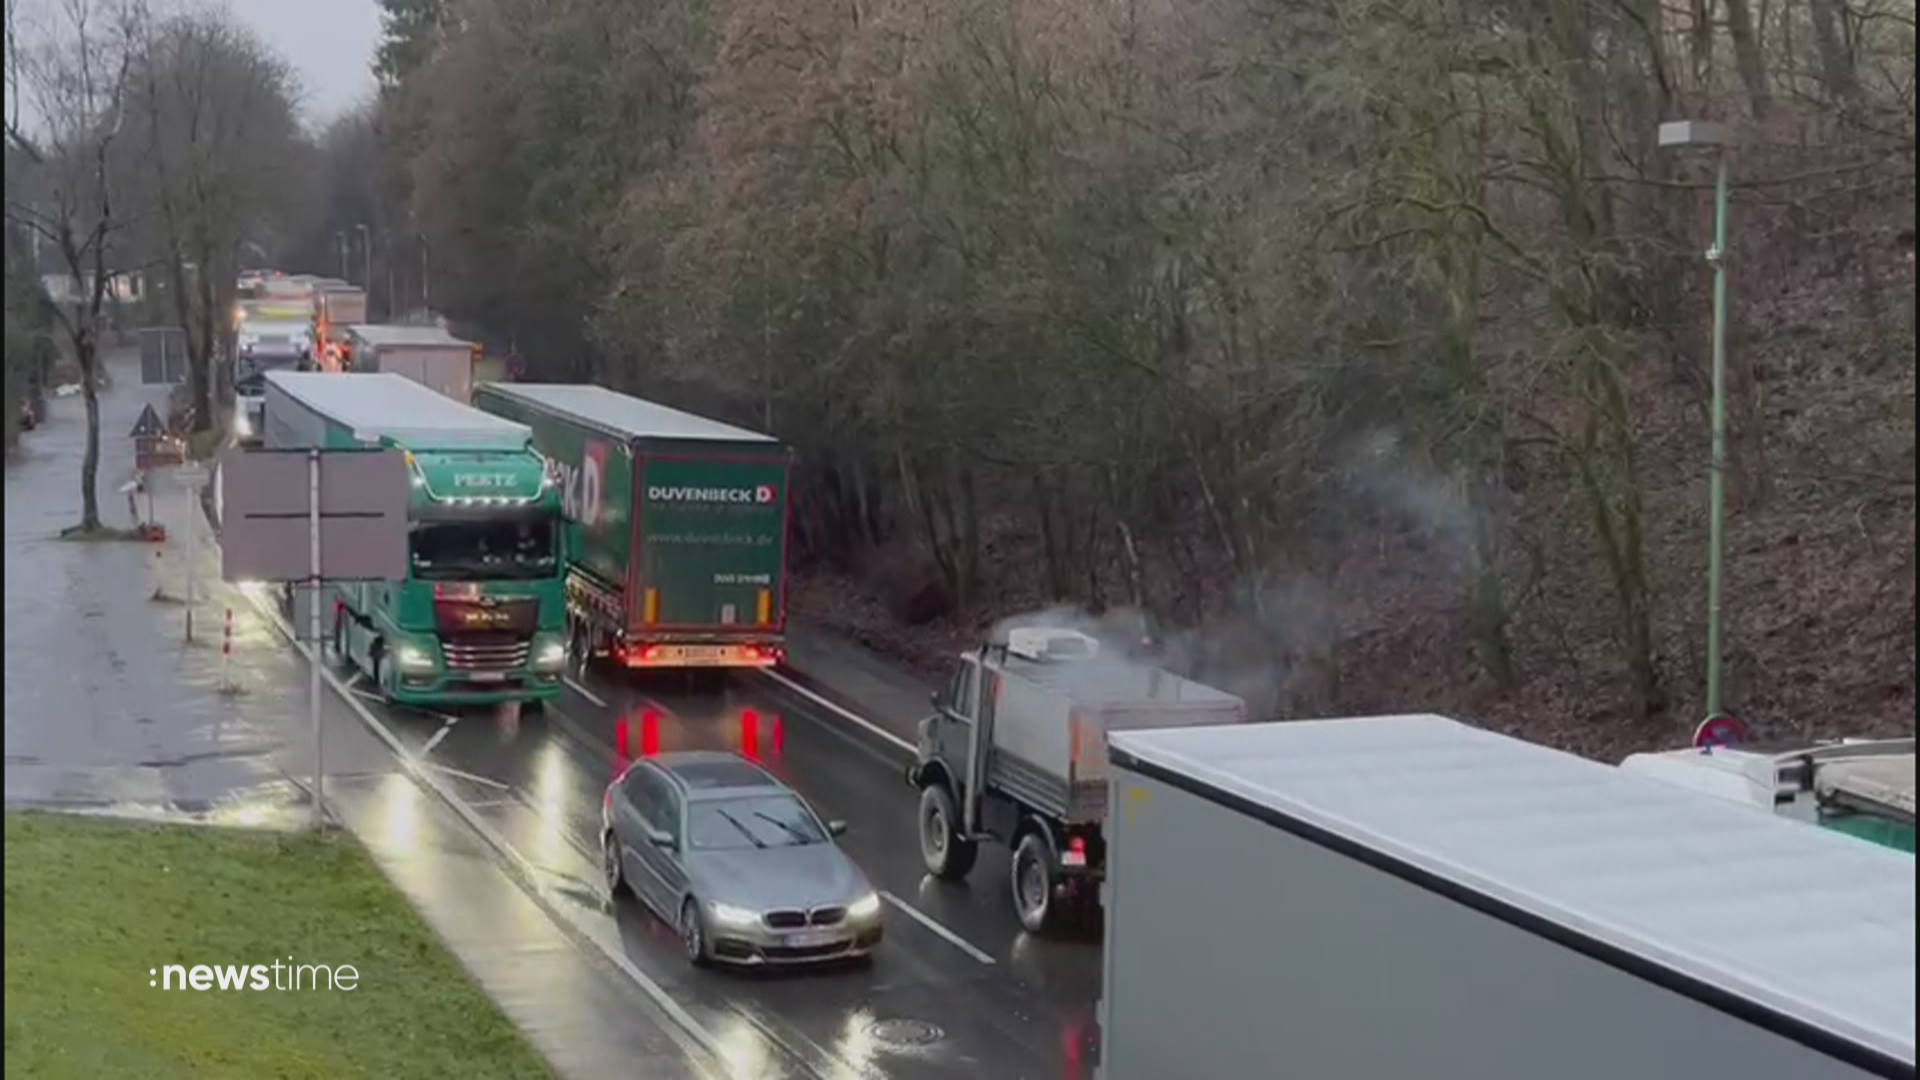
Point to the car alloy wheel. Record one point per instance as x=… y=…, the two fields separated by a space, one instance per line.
x=610 y=864
x=692 y=934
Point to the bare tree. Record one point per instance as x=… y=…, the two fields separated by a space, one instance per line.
x=67 y=93
x=215 y=111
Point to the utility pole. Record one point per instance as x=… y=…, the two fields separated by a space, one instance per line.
x=340 y=240
x=366 y=259
x=1694 y=133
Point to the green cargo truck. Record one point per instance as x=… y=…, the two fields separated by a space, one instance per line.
x=481 y=616
x=676 y=527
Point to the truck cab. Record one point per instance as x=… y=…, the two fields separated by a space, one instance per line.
x=1015 y=753
x=1861 y=787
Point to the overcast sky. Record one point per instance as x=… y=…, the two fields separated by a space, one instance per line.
x=329 y=42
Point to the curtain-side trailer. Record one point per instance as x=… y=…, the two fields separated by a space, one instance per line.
x=1411 y=896
x=677 y=527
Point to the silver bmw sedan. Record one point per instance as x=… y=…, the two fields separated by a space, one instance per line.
x=736 y=862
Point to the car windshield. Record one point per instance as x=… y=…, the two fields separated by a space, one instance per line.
x=765 y=821
x=484 y=550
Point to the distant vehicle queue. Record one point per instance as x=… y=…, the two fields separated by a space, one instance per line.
x=551 y=524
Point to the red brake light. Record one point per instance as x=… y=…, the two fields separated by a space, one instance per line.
x=1077 y=845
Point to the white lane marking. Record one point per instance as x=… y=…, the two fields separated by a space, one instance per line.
x=583 y=691
x=927 y=921
x=353 y=680
x=838 y=710
x=438 y=735
x=483 y=781
x=674 y=1011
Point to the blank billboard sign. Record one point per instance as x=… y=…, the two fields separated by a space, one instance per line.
x=267 y=521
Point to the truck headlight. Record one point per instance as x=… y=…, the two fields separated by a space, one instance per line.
x=412 y=658
x=551 y=656
x=864 y=908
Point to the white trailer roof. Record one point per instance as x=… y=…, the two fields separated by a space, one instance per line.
x=625 y=415
x=378 y=334
x=1812 y=925
x=380 y=405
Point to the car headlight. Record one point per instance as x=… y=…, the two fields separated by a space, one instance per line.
x=864 y=908
x=242 y=423
x=551 y=657
x=412 y=658
x=733 y=916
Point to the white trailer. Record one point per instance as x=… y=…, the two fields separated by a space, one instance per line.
x=1015 y=752
x=426 y=354
x=1409 y=896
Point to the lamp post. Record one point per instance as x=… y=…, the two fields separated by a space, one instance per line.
x=340 y=238
x=366 y=258
x=1696 y=133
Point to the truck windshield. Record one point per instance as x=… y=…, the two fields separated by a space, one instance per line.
x=250 y=375
x=484 y=550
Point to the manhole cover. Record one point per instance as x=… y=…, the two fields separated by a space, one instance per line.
x=905 y=1032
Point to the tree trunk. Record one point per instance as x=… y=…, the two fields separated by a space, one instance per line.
x=1747 y=57
x=86 y=353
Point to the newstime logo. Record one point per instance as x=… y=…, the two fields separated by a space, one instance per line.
x=762 y=494
x=275 y=976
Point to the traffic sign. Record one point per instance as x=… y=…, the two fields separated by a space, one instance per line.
x=1719 y=731
x=148 y=426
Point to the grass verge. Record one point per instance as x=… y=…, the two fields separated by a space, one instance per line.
x=93 y=904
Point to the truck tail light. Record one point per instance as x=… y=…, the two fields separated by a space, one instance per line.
x=651 y=606
x=766 y=606
x=1076 y=853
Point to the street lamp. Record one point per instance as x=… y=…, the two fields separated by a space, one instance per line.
x=340 y=239
x=1697 y=133
x=366 y=258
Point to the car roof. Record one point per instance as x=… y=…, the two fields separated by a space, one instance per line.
x=705 y=774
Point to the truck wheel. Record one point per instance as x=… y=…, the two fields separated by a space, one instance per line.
x=1032 y=880
x=947 y=854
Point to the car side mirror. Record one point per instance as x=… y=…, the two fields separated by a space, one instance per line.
x=836 y=828
x=661 y=838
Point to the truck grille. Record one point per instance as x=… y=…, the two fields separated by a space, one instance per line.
x=486 y=654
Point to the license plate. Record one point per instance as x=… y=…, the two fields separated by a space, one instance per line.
x=488 y=676
x=801 y=939
x=703 y=652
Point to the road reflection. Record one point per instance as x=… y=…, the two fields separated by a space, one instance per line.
x=398 y=814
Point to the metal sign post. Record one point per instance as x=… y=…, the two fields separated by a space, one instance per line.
x=313 y=635
x=350 y=509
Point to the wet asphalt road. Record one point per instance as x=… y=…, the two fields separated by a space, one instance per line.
x=997 y=1002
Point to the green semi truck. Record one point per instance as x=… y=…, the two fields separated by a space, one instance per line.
x=676 y=527
x=481 y=617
